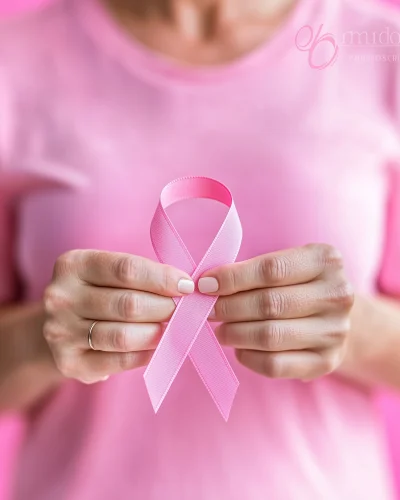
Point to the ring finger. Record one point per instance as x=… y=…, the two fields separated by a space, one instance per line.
x=120 y=337
x=284 y=335
x=304 y=365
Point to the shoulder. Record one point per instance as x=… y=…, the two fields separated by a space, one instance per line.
x=30 y=45
x=369 y=44
x=37 y=23
x=373 y=33
x=371 y=28
x=358 y=46
x=29 y=42
x=370 y=14
x=368 y=32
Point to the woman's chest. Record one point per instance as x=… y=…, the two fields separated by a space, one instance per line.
x=291 y=185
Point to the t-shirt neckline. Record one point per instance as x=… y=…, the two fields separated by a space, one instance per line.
x=139 y=58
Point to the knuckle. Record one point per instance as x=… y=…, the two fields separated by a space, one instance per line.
x=272 y=366
x=331 y=256
x=339 y=333
x=53 y=331
x=128 y=361
x=129 y=306
x=259 y=338
x=228 y=278
x=272 y=304
x=275 y=268
x=342 y=295
x=48 y=331
x=274 y=335
x=222 y=308
x=66 y=366
x=126 y=268
x=118 y=339
x=316 y=249
x=66 y=262
x=329 y=364
x=48 y=297
x=55 y=300
x=167 y=283
x=268 y=337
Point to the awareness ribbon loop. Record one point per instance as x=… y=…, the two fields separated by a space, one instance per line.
x=188 y=333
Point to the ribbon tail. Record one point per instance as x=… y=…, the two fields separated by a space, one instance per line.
x=181 y=333
x=214 y=370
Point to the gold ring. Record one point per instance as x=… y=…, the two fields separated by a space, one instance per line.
x=90 y=335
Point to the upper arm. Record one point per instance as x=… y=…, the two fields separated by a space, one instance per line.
x=8 y=288
x=7 y=278
x=389 y=279
x=8 y=283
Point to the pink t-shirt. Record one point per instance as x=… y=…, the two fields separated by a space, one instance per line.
x=92 y=126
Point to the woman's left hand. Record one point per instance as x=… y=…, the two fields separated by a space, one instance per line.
x=287 y=313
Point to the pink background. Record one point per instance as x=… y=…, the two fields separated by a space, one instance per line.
x=389 y=404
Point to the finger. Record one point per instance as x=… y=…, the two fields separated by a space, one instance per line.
x=94 y=366
x=128 y=271
x=298 y=301
x=111 y=304
x=304 y=365
x=284 y=335
x=286 y=267
x=109 y=363
x=119 y=337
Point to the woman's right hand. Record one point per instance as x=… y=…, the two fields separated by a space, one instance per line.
x=128 y=296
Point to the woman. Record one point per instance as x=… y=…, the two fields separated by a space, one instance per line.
x=102 y=104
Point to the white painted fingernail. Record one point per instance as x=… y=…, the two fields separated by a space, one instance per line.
x=208 y=285
x=185 y=286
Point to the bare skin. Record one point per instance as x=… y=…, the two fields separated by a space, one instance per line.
x=287 y=314
x=201 y=32
x=265 y=305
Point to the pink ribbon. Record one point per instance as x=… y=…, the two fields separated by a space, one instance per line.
x=188 y=333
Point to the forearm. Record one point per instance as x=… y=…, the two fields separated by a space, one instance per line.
x=27 y=371
x=373 y=355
